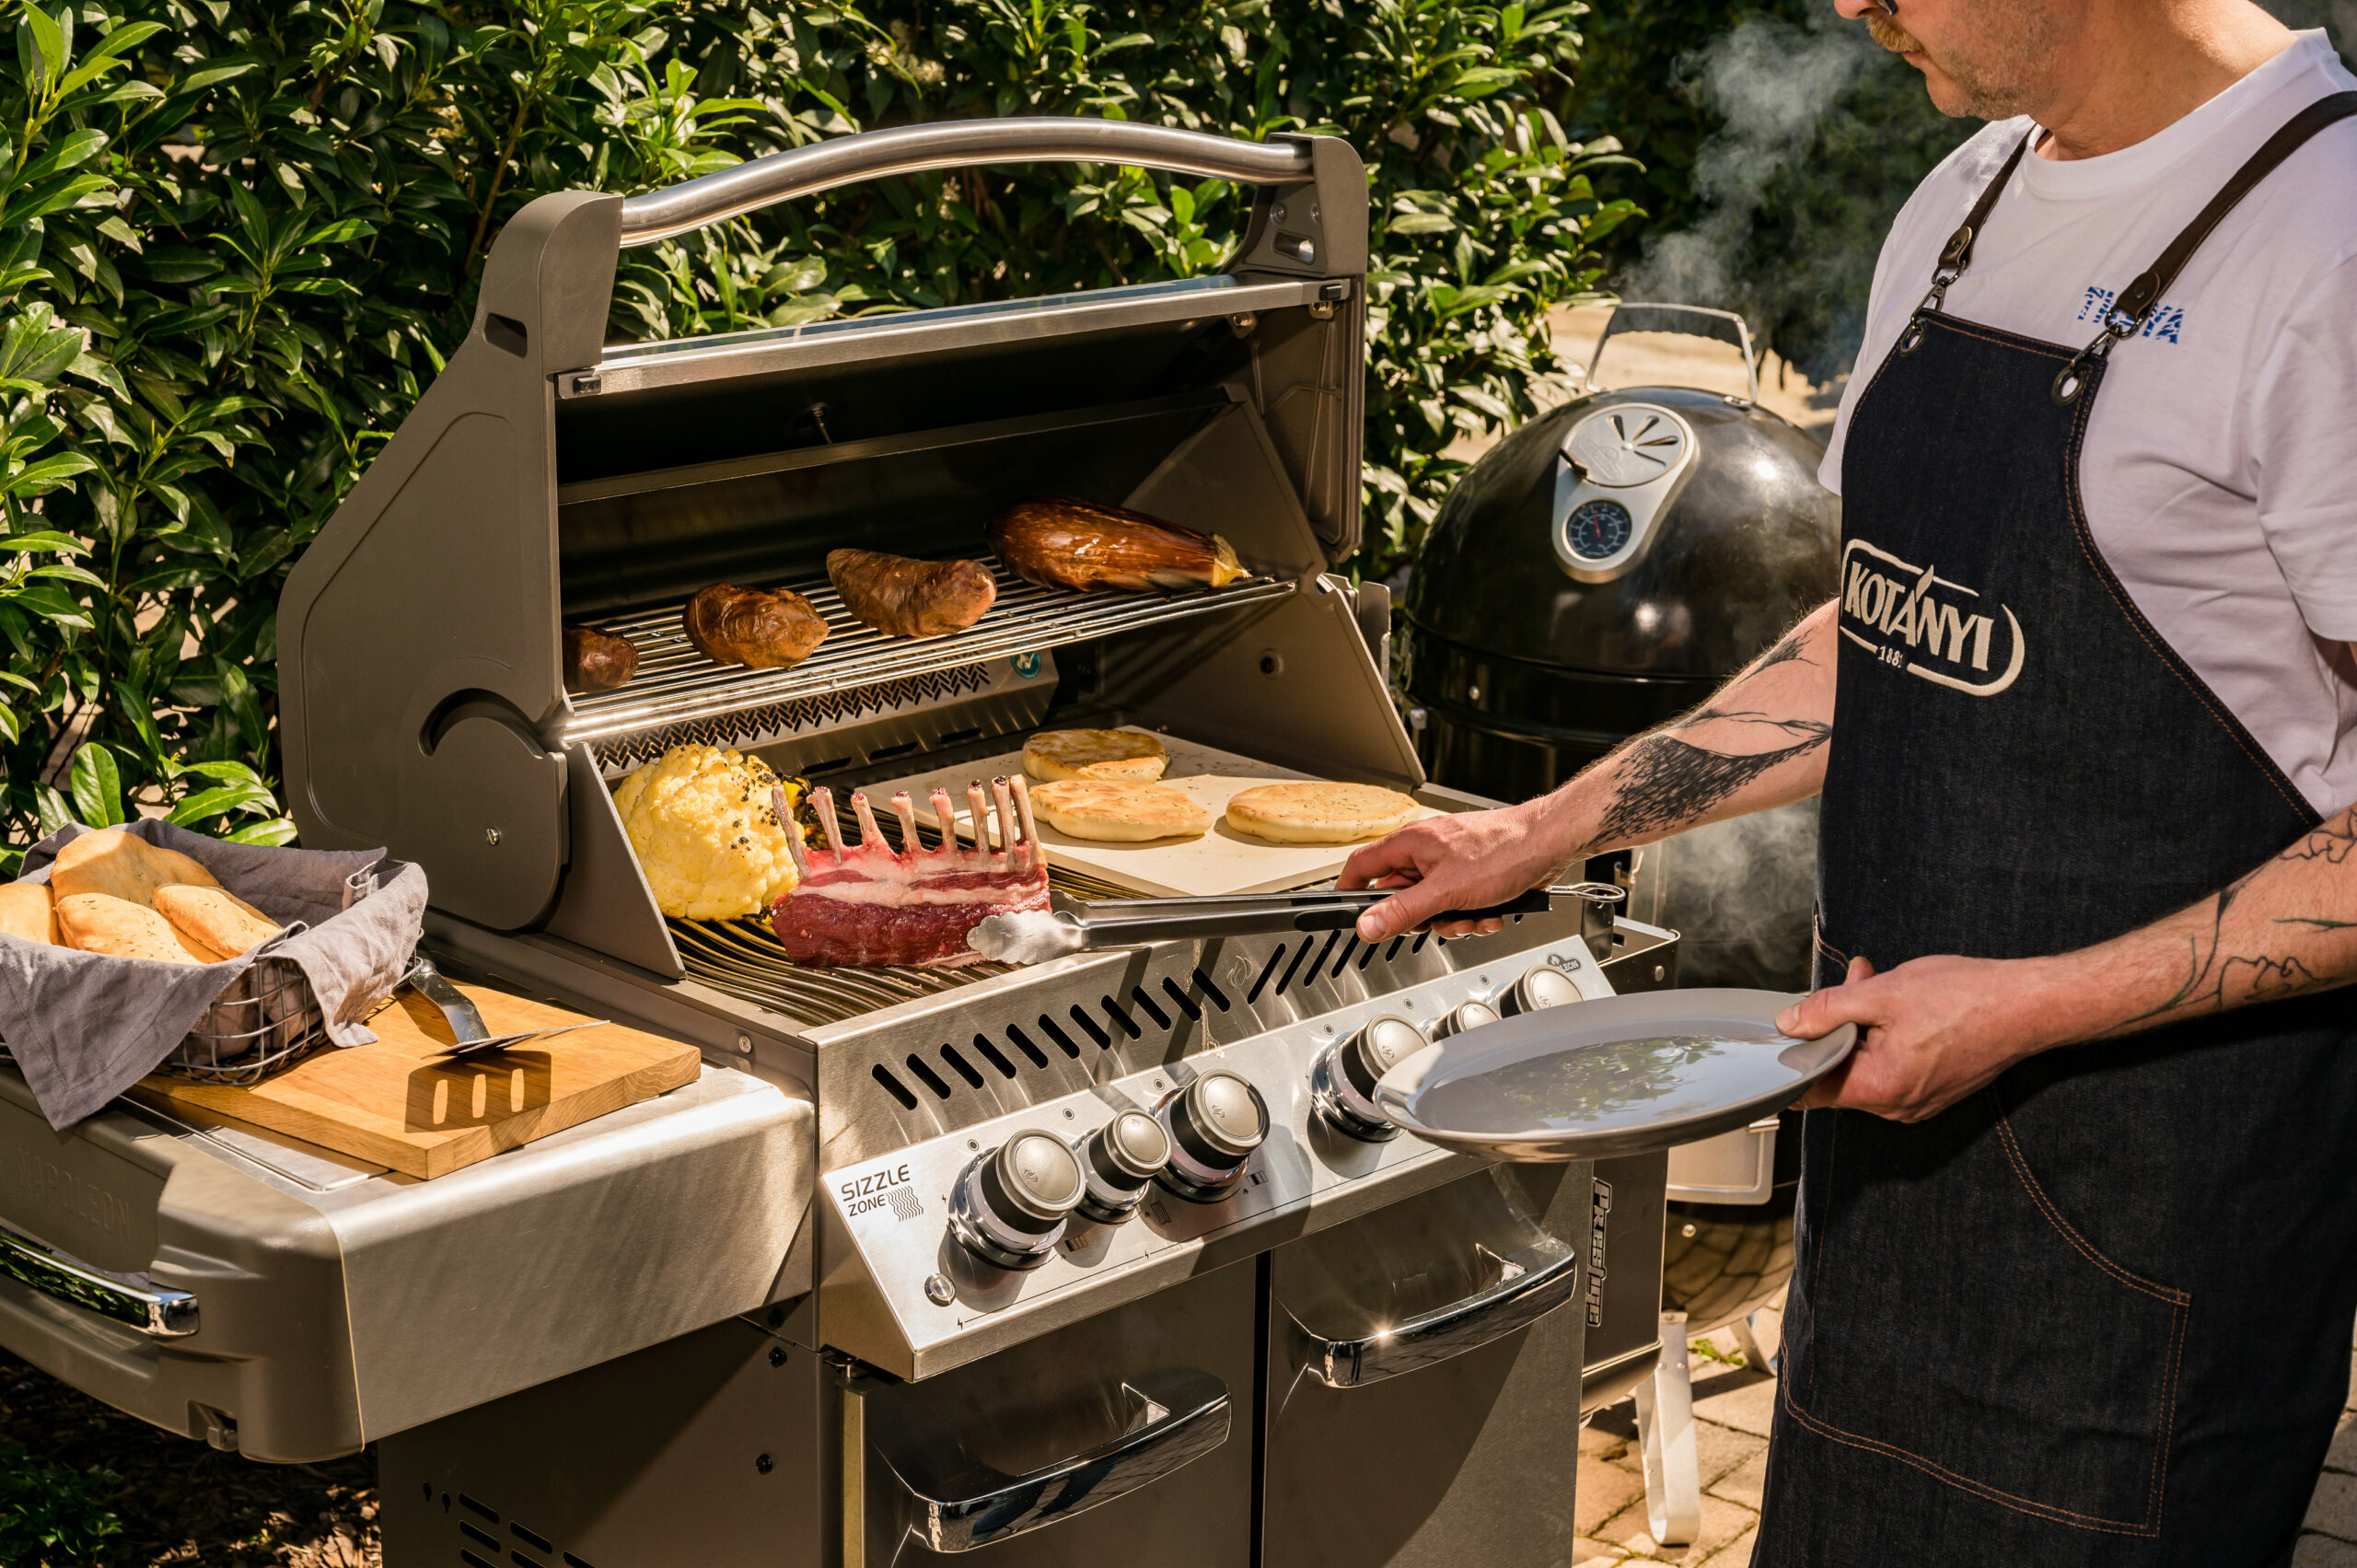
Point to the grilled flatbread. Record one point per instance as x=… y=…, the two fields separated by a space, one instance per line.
x=1317 y=813
x=1108 y=811
x=27 y=910
x=1124 y=755
x=215 y=917
x=99 y=922
x=122 y=867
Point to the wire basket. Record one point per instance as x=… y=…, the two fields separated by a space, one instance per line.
x=266 y=1020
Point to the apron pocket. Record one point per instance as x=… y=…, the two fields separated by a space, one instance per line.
x=1960 y=1323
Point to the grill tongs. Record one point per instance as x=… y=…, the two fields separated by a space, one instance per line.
x=1074 y=925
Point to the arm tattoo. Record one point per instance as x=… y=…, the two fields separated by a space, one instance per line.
x=1666 y=782
x=2217 y=979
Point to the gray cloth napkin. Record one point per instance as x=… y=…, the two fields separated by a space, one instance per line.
x=85 y=1027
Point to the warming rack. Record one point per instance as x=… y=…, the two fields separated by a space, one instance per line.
x=676 y=684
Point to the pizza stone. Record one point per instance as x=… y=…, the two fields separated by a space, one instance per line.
x=1109 y=811
x=1313 y=812
x=1122 y=755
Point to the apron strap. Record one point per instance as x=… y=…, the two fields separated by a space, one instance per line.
x=1958 y=254
x=2138 y=300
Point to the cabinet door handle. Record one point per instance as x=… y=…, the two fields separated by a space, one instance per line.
x=1533 y=1281
x=1177 y=1416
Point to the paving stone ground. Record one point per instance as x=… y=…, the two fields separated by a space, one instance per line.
x=1732 y=1405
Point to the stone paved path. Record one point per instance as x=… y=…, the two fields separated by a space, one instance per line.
x=1732 y=1407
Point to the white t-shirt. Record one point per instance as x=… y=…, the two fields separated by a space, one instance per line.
x=2220 y=474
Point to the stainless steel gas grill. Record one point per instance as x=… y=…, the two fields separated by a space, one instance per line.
x=1099 y=1264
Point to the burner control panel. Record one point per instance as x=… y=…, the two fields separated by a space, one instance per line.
x=945 y=1250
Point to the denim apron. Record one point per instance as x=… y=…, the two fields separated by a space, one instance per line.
x=2100 y=1312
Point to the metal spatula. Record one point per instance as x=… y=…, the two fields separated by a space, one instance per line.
x=470 y=1035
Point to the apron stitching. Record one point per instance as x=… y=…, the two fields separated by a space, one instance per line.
x=2152 y=639
x=2148 y=1529
x=1998 y=335
x=1816 y=1245
x=2178 y=1300
x=2063 y=1228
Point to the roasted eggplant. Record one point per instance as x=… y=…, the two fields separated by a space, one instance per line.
x=903 y=597
x=760 y=628
x=598 y=661
x=1064 y=543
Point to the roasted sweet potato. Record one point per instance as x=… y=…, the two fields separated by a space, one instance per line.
x=598 y=661
x=1064 y=543
x=903 y=597
x=761 y=628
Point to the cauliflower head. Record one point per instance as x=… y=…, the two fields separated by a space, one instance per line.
x=706 y=833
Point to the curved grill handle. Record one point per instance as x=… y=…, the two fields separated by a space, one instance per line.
x=1536 y=1280
x=157 y=1312
x=957 y=144
x=962 y=1503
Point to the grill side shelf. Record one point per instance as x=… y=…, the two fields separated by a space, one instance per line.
x=676 y=684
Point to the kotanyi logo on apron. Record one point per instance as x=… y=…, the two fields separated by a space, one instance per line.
x=1912 y=618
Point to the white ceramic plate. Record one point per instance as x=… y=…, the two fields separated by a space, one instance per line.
x=1617 y=1075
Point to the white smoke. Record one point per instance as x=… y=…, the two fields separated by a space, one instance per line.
x=1773 y=84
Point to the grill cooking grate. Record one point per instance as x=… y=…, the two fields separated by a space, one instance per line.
x=741 y=958
x=750 y=728
x=676 y=685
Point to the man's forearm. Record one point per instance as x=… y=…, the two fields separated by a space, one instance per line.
x=2287 y=928
x=1758 y=742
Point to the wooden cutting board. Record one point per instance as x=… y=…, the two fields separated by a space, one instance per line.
x=399 y=1103
x=1221 y=861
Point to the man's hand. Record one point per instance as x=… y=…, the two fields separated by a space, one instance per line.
x=1930 y=1032
x=1470 y=860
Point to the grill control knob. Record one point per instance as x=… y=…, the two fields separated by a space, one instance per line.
x=1342 y=1083
x=1117 y=1162
x=1010 y=1204
x=1466 y=1016
x=1542 y=987
x=1215 y=1124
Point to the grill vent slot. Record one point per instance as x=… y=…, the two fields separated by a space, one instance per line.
x=1022 y=1043
x=1128 y=1024
x=1204 y=983
x=1261 y=984
x=1366 y=954
x=1342 y=959
x=1284 y=980
x=523 y=1561
x=927 y=1076
x=1095 y=1030
x=1150 y=1007
x=964 y=1069
x=1393 y=951
x=1186 y=1004
x=894 y=1088
x=1055 y=1032
x=530 y=1538
x=467 y=1503
x=472 y=1560
x=994 y=1056
x=573 y=1561
x=480 y=1537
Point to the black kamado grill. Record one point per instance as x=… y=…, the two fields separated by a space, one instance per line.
x=1599 y=572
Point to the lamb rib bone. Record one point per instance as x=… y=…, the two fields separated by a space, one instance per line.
x=868 y=905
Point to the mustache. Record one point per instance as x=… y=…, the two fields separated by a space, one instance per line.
x=1885 y=30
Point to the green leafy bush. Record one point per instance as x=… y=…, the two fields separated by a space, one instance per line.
x=237 y=237
x=51 y=1518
